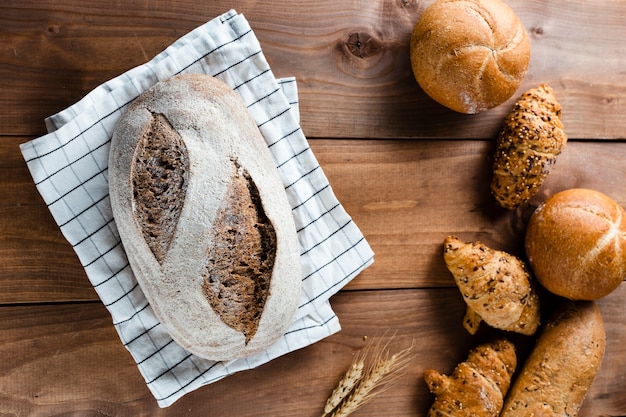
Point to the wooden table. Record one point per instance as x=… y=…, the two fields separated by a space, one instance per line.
x=408 y=171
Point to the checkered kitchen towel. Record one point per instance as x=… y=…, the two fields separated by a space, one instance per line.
x=69 y=168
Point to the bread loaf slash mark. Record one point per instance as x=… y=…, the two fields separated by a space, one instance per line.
x=159 y=175
x=239 y=264
x=612 y=236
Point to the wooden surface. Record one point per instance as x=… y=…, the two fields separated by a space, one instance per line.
x=408 y=171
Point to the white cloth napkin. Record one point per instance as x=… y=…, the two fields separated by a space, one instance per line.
x=69 y=168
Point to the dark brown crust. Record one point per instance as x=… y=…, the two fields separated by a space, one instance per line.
x=240 y=261
x=159 y=177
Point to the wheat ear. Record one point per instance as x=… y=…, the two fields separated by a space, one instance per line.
x=346 y=384
x=383 y=370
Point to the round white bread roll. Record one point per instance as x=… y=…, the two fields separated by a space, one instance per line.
x=576 y=244
x=204 y=218
x=469 y=55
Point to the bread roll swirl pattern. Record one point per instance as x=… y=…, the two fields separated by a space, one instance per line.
x=576 y=244
x=469 y=55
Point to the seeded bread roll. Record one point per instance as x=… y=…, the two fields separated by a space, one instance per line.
x=469 y=55
x=576 y=244
x=555 y=378
x=531 y=139
x=204 y=218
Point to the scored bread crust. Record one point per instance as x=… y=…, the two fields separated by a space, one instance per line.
x=223 y=145
x=576 y=244
x=469 y=55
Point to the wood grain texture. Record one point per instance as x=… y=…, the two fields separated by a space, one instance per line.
x=407 y=196
x=351 y=60
x=37 y=263
x=408 y=171
x=67 y=360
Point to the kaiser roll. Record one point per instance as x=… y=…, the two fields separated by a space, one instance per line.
x=576 y=244
x=469 y=55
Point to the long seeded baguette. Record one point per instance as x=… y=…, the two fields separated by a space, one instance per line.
x=204 y=218
x=562 y=366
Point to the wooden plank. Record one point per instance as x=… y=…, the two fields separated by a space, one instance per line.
x=51 y=355
x=406 y=197
x=37 y=264
x=62 y=358
x=351 y=60
x=16 y=187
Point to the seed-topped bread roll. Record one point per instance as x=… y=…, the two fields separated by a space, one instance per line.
x=563 y=364
x=531 y=139
x=469 y=55
x=204 y=218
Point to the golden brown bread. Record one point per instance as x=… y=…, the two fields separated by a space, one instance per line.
x=527 y=147
x=204 y=218
x=576 y=244
x=495 y=285
x=476 y=387
x=562 y=366
x=469 y=55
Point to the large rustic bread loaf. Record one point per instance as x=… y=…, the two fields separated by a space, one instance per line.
x=204 y=218
x=576 y=244
x=469 y=55
x=563 y=364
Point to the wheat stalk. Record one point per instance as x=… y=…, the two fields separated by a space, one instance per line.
x=383 y=370
x=346 y=384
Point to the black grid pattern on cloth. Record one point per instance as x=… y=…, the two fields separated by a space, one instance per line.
x=70 y=166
